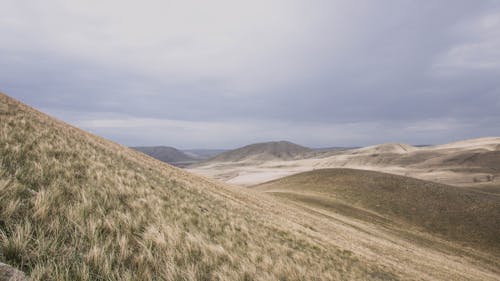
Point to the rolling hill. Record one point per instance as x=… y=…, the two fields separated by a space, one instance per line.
x=266 y=151
x=203 y=154
x=74 y=206
x=167 y=154
x=396 y=148
x=471 y=163
x=454 y=213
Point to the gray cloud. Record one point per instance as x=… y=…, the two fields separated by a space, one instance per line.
x=338 y=72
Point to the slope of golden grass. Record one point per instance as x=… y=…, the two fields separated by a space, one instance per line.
x=74 y=206
x=77 y=207
x=454 y=213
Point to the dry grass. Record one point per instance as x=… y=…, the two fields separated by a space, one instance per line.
x=457 y=214
x=76 y=207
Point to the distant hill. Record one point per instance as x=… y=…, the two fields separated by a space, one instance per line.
x=279 y=150
x=177 y=157
x=167 y=154
x=203 y=153
x=397 y=148
x=473 y=163
x=459 y=214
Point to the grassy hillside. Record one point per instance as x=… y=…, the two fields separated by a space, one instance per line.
x=454 y=213
x=74 y=206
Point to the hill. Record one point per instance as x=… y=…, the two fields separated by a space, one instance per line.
x=74 y=206
x=167 y=154
x=454 y=213
x=397 y=148
x=488 y=143
x=266 y=151
x=471 y=163
x=203 y=154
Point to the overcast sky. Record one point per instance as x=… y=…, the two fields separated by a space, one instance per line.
x=221 y=74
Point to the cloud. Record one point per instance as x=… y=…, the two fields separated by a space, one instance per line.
x=132 y=131
x=294 y=64
x=480 y=53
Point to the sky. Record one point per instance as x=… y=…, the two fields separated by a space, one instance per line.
x=226 y=73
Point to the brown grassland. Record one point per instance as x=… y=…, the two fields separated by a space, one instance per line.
x=74 y=206
x=454 y=213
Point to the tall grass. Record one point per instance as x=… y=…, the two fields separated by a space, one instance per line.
x=456 y=214
x=76 y=207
